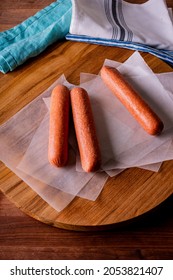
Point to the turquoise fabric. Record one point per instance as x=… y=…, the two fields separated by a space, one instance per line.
x=34 y=35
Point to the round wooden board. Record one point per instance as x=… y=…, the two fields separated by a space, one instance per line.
x=125 y=197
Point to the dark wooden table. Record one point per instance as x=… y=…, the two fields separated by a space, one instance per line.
x=22 y=237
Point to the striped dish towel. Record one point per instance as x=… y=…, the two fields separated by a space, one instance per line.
x=144 y=27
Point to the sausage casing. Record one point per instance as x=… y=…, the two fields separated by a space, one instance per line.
x=85 y=130
x=59 y=126
x=140 y=110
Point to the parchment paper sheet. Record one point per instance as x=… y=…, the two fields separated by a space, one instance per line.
x=135 y=144
x=18 y=136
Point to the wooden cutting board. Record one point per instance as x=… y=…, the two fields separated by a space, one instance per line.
x=125 y=197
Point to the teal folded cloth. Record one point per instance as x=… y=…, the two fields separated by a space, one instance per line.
x=34 y=35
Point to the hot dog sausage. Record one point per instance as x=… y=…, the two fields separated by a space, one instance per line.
x=59 y=126
x=131 y=100
x=85 y=130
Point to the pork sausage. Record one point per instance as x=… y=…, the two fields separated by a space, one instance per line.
x=131 y=100
x=85 y=130
x=59 y=126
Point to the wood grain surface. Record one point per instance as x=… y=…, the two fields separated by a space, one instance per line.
x=25 y=238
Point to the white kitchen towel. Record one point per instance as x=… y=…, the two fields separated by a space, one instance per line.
x=144 y=27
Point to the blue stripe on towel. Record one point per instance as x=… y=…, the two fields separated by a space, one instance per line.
x=165 y=55
x=111 y=21
x=115 y=12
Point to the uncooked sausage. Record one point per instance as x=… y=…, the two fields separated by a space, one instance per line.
x=85 y=130
x=131 y=100
x=59 y=126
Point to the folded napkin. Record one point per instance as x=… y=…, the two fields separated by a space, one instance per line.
x=34 y=35
x=144 y=27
